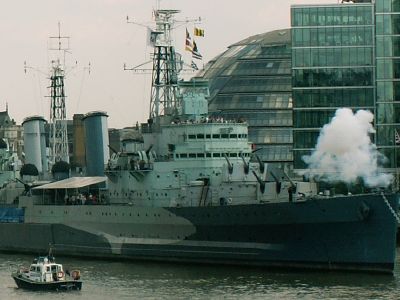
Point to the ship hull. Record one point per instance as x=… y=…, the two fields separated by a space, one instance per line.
x=355 y=233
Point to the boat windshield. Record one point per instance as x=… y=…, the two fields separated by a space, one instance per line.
x=35 y=269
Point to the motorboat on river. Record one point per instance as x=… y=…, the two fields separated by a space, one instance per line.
x=46 y=275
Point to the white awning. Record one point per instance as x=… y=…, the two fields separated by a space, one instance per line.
x=72 y=183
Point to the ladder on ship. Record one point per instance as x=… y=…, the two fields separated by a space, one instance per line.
x=182 y=179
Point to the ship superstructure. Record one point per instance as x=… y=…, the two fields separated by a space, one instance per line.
x=187 y=155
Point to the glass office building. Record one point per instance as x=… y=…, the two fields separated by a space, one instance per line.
x=252 y=80
x=336 y=55
x=333 y=66
x=387 y=14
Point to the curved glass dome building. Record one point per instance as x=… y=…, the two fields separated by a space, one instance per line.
x=252 y=81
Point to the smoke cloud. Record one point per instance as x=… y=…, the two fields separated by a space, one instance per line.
x=345 y=153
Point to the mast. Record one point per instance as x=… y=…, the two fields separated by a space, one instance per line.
x=58 y=114
x=165 y=71
x=166 y=64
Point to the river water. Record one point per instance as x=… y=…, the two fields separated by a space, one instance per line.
x=140 y=280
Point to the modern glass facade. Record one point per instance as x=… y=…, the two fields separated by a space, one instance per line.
x=388 y=78
x=252 y=80
x=333 y=66
x=336 y=55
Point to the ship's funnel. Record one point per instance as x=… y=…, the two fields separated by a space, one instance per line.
x=35 y=142
x=97 y=151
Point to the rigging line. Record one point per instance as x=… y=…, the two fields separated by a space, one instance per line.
x=35 y=92
x=80 y=92
x=143 y=112
x=36 y=84
x=40 y=94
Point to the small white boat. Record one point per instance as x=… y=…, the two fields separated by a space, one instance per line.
x=45 y=274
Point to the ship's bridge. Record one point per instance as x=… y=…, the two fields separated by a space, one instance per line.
x=204 y=139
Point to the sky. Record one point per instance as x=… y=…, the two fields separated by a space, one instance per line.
x=100 y=35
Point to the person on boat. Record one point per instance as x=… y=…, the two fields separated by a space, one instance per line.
x=84 y=199
x=73 y=199
x=66 y=199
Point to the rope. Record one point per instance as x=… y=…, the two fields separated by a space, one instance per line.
x=395 y=215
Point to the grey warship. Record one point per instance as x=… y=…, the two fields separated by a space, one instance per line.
x=193 y=191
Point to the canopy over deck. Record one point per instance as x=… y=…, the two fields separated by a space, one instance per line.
x=72 y=183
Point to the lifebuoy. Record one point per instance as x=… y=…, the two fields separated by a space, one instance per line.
x=76 y=275
x=60 y=274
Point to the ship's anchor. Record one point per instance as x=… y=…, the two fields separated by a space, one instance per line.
x=364 y=211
